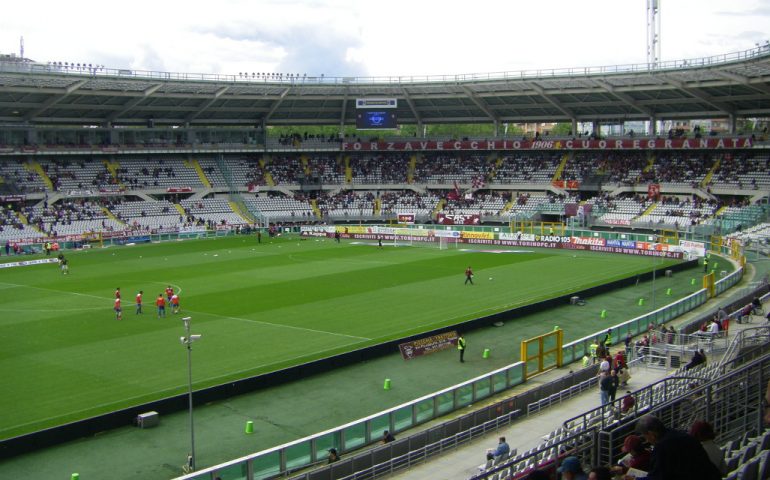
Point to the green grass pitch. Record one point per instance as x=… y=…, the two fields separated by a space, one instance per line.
x=259 y=308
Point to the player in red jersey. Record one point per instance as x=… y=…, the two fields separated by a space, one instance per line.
x=117 y=292
x=139 y=302
x=118 y=310
x=161 y=304
x=169 y=293
x=175 y=303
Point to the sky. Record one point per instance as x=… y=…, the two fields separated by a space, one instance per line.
x=374 y=38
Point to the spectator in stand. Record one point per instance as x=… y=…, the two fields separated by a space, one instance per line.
x=704 y=433
x=501 y=452
x=627 y=403
x=571 y=469
x=637 y=456
x=697 y=359
x=387 y=437
x=675 y=454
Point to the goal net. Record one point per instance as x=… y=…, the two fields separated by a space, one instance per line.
x=447 y=242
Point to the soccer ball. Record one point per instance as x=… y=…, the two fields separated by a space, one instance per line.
x=490 y=278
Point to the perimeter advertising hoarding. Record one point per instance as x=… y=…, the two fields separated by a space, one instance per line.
x=428 y=345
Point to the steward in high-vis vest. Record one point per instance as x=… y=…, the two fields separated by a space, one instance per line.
x=592 y=350
x=608 y=339
x=461 y=347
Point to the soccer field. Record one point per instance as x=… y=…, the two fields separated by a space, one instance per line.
x=259 y=308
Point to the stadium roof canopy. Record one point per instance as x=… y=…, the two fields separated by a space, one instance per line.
x=727 y=86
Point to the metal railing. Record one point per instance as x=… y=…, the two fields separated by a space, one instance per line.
x=312 y=449
x=322 y=79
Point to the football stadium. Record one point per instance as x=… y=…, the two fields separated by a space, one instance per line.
x=260 y=276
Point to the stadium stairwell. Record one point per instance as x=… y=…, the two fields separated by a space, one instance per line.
x=268 y=177
x=112 y=167
x=650 y=164
x=439 y=206
x=377 y=205
x=707 y=179
x=348 y=170
x=110 y=215
x=35 y=166
x=180 y=209
x=507 y=208
x=649 y=209
x=560 y=169
x=241 y=211
x=305 y=163
x=411 y=169
x=201 y=174
x=316 y=210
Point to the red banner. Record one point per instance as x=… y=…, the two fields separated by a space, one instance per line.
x=458 y=219
x=407 y=218
x=653 y=190
x=577 y=144
x=178 y=189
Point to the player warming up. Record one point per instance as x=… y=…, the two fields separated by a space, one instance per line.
x=468 y=275
x=169 y=294
x=118 y=310
x=161 y=304
x=139 y=302
x=175 y=303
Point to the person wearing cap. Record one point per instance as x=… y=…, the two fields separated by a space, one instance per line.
x=637 y=457
x=704 y=433
x=571 y=469
x=675 y=454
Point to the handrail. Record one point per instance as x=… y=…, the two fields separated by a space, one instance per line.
x=475 y=389
x=25 y=66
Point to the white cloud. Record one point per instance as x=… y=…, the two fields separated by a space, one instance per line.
x=397 y=38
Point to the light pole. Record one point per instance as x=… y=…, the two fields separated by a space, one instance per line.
x=187 y=340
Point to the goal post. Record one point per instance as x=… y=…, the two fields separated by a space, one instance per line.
x=447 y=242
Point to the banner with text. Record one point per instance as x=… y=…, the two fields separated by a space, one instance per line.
x=428 y=345
x=575 y=144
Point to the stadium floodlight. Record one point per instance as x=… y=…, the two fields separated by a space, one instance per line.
x=187 y=340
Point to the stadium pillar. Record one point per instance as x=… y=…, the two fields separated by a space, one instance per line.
x=733 y=123
x=496 y=125
x=653 y=126
x=574 y=126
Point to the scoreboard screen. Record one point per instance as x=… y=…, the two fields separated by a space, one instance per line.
x=372 y=119
x=376 y=113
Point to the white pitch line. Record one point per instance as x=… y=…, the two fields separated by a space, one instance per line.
x=278 y=325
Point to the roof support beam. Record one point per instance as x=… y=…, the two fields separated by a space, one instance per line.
x=343 y=113
x=743 y=81
x=277 y=103
x=54 y=100
x=623 y=97
x=555 y=103
x=412 y=107
x=206 y=105
x=481 y=104
x=699 y=95
x=136 y=101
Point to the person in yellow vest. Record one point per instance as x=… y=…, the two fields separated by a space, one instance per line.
x=608 y=339
x=592 y=351
x=705 y=264
x=586 y=361
x=461 y=346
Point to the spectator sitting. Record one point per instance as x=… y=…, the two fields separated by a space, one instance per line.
x=571 y=469
x=675 y=454
x=697 y=359
x=502 y=450
x=627 y=403
x=387 y=437
x=638 y=457
x=704 y=433
x=333 y=455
